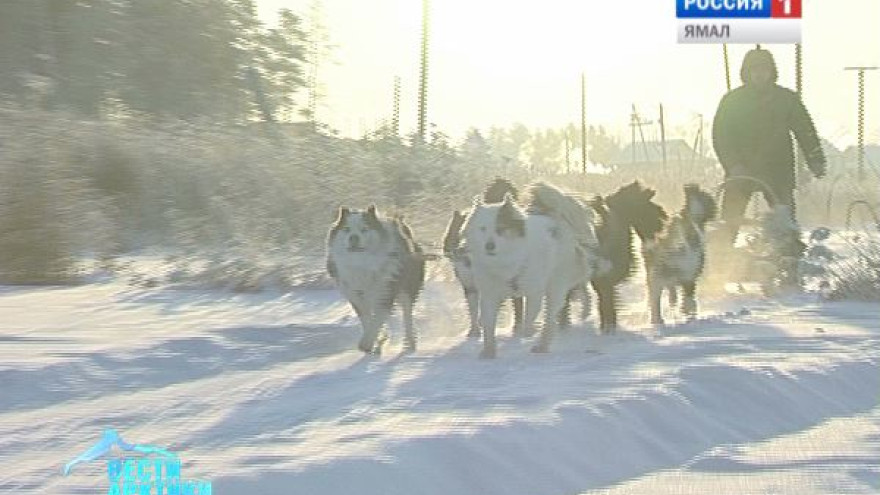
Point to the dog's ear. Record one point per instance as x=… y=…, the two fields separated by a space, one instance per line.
x=478 y=200
x=457 y=216
x=510 y=219
x=342 y=213
x=371 y=217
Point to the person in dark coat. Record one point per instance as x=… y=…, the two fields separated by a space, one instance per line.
x=752 y=139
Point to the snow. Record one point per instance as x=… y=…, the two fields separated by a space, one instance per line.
x=264 y=393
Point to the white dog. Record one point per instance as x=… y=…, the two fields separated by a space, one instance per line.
x=376 y=263
x=539 y=254
x=455 y=249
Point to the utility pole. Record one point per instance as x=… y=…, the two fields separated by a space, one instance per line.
x=637 y=122
x=423 y=74
x=395 y=110
x=801 y=165
x=567 y=153
x=583 y=123
x=702 y=150
x=861 y=128
x=316 y=51
x=663 y=136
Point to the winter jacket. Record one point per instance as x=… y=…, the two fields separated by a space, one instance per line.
x=752 y=132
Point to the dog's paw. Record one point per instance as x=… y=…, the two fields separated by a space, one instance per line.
x=381 y=340
x=474 y=333
x=488 y=353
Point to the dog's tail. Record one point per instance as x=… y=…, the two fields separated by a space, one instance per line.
x=452 y=239
x=549 y=200
x=414 y=260
x=699 y=204
x=405 y=236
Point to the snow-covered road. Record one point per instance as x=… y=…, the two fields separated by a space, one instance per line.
x=265 y=394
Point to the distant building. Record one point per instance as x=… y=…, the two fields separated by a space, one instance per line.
x=650 y=155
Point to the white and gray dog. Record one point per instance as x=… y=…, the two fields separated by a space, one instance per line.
x=542 y=253
x=455 y=249
x=376 y=263
x=675 y=256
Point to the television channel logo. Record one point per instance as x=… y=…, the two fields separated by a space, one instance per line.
x=739 y=21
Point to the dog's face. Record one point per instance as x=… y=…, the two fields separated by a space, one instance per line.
x=357 y=231
x=494 y=229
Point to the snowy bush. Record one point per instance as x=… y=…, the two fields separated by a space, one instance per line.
x=243 y=207
x=857 y=276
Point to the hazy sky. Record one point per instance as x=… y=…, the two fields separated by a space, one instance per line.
x=497 y=62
